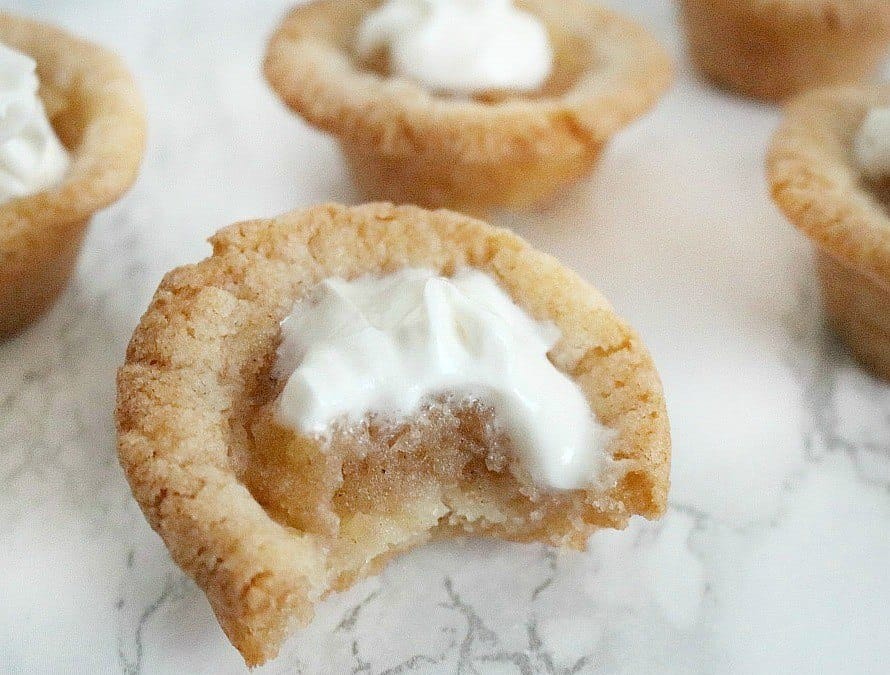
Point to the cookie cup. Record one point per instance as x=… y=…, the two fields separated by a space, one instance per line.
x=95 y=109
x=815 y=180
x=772 y=49
x=406 y=144
x=268 y=521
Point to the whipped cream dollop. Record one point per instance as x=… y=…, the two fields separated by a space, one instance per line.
x=31 y=156
x=389 y=344
x=460 y=46
x=872 y=144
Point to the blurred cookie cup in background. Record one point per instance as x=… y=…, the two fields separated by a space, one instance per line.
x=470 y=106
x=772 y=49
x=72 y=135
x=829 y=171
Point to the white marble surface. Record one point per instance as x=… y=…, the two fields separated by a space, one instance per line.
x=775 y=552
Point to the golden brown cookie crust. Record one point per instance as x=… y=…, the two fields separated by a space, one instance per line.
x=95 y=108
x=201 y=355
x=814 y=178
x=856 y=307
x=772 y=49
x=406 y=144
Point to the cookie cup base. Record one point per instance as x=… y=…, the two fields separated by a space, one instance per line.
x=35 y=276
x=473 y=188
x=857 y=311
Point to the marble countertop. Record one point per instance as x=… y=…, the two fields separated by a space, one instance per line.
x=773 y=556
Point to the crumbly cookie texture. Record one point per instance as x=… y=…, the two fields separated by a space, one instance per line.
x=815 y=180
x=97 y=113
x=772 y=49
x=407 y=145
x=267 y=521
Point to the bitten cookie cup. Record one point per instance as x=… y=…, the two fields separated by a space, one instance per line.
x=405 y=144
x=815 y=180
x=772 y=49
x=97 y=113
x=268 y=521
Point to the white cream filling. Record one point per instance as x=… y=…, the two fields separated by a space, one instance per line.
x=389 y=344
x=31 y=156
x=872 y=144
x=460 y=46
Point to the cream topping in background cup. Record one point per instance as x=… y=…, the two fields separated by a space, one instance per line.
x=460 y=46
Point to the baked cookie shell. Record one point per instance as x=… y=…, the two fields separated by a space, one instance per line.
x=406 y=144
x=772 y=49
x=815 y=180
x=857 y=311
x=95 y=109
x=201 y=356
